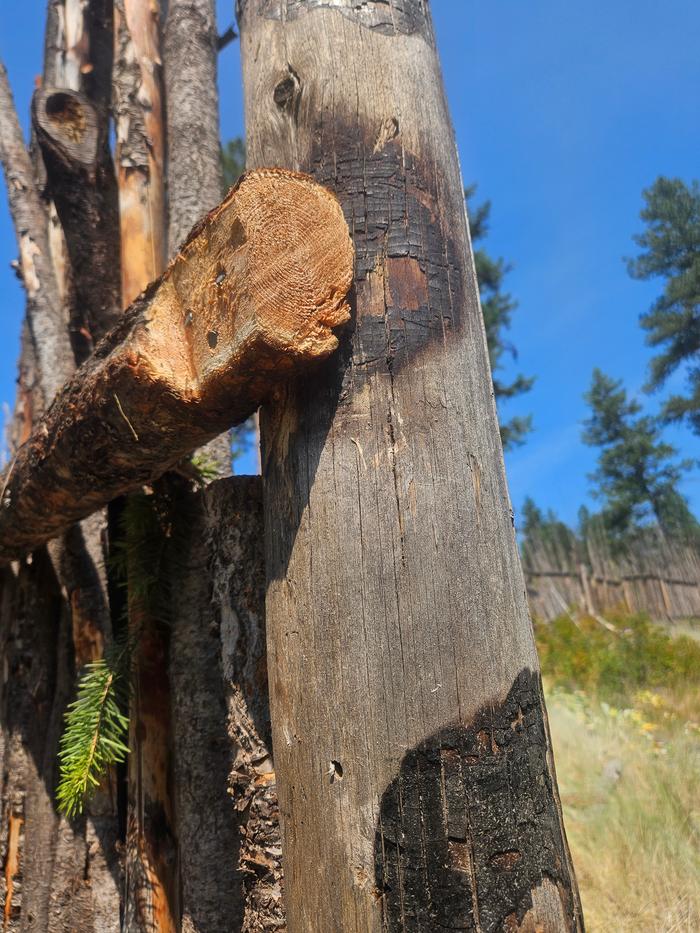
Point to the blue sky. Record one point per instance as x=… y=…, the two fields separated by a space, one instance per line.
x=563 y=112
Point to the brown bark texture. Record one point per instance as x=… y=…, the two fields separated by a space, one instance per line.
x=225 y=787
x=150 y=892
x=253 y=295
x=412 y=753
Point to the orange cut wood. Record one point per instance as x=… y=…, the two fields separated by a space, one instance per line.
x=254 y=295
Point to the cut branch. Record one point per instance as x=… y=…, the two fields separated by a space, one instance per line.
x=44 y=309
x=252 y=295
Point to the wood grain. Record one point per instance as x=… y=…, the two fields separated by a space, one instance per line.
x=400 y=649
x=254 y=294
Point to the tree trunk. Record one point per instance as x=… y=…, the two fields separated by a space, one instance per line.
x=225 y=789
x=45 y=313
x=68 y=873
x=140 y=143
x=151 y=870
x=414 y=765
x=225 y=795
x=194 y=148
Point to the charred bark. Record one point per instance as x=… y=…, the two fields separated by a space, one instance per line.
x=69 y=872
x=82 y=184
x=412 y=754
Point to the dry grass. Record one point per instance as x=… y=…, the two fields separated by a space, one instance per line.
x=630 y=782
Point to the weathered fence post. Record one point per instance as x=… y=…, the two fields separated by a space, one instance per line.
x=415 y=772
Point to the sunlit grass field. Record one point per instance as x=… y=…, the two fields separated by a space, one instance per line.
x=624 y=709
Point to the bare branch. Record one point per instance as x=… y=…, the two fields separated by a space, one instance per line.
x=226 y=38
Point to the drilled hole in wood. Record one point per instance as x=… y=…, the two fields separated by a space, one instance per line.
x=65 y=111
x=212 y=339
x=335 y=771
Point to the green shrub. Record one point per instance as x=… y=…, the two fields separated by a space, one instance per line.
x=612 y=663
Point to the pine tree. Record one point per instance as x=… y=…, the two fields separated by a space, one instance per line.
x=638 y=473
x=671 y=244
x=497 y=307
x=545 y=533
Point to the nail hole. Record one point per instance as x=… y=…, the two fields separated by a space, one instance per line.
x=335 y=771
x=212 y=339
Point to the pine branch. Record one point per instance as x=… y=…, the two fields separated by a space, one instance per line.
x=96 y=726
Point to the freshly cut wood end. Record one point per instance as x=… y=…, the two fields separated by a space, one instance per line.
x=253 y=296
x=273 y=264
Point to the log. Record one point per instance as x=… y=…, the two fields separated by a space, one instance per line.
x=252 y=296
x=412 y=755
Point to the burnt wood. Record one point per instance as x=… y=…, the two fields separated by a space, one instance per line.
x=412 y=755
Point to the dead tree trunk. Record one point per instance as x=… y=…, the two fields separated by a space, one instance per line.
x=150 y=895
x=67 y=873
x=226 y=796
x=223 y=777
x=190 y=55
x=415 y=771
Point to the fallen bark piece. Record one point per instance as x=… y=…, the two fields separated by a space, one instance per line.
x=253 y=295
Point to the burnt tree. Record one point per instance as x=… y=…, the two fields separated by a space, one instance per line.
x=415 y=773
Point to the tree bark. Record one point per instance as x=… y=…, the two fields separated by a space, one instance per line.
x=226 y=801
x=45 y=313
x=74 y=878
x=83 y=187
x=140 y=143
x=151 y=871
x=190 y=57
x=414 y=765
x=194 y=146
x=252 y=295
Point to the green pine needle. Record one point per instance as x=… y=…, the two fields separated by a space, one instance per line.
x=95 y=729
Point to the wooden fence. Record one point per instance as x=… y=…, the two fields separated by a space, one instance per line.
x=655 y=576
